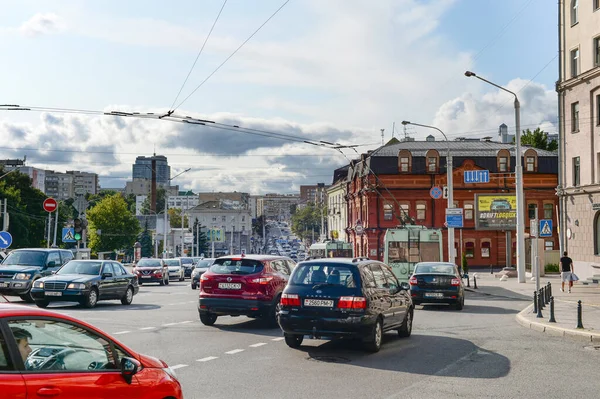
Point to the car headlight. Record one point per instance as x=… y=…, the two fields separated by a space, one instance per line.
x=22 y=276
x=76 y=286
x=38 y=284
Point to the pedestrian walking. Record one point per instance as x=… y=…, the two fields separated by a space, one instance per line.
x=566 y=271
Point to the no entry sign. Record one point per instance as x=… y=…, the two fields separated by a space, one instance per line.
x=50 y=205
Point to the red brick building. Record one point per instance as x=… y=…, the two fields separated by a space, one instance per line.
x=405 y=173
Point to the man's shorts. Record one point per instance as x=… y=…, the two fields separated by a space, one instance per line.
x=565 y=277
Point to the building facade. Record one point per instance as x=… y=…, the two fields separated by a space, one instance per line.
x=579 y=127
x=337 y=206
x=314 y=193
x=59 y=185
x=407 y=171
x=142 y=169
x=84 y=182
x=277 y=206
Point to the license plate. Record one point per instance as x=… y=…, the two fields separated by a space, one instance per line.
x=146 y=276
x=230 y=286
x=4 y=284
x=319 y=302
x=53 y=293
x=434 y=295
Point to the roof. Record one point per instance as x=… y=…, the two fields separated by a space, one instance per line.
x=457 y=148
x=341 y=261
x=253 y=257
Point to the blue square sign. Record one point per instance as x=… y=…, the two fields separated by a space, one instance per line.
x=545 y=229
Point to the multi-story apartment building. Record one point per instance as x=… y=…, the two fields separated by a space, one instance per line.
x=59 y=185
x=38 y=176
x=337 y=206
x=314 y=194
x=84 y=182
x=579 y=128
x=277 y=206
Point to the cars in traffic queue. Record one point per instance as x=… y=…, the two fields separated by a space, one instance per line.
x=344 y=297
x=201 y=267
x=48 y=354
x=176 y=270
x=24 y=266
x=188 y=265
x=86 y=282
x=437 y=282
x=151 y=270
x=249 y=285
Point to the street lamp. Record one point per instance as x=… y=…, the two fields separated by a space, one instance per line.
x=519 y=181
x=449 y=168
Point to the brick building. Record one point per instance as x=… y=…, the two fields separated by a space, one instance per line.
x=407 y=171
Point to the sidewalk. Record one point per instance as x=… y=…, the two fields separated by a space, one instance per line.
x=565 y=305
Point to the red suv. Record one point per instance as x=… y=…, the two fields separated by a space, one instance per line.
x=249 y=285
x=47 y=354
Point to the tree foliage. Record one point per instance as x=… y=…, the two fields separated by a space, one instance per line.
x=538 y=139
x=203 y=244
x=145 y=239
x=307 y=220
x=119 y=227
x=161 y=195
x=175 y=218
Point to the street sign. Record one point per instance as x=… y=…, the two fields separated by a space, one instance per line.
x=50 y=204
x=477 y=176
x=533 y=228
x=546 y=228
x=359 y=228
x=436 y=192
x=215 y=235
x=68 y=234
x=5 y=239
x=454 y=217
x=445 y=191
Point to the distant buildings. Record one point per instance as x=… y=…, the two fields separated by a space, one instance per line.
x=142 y=169
x=277 y=206
x=315 y=194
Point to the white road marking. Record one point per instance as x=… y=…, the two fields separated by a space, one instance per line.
x=169 y=324
x=257 y=345
x=278 y=339
x=187 y=321
x=233 y=352
x=147 y=328
x=122 y=332
x=206 y=359
x=178 y=366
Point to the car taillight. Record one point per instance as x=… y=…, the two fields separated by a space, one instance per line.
x=204 y=277
x=455 y=282
x=352 y=302
x=413 y=280
x=261 y=280
x=290 y=300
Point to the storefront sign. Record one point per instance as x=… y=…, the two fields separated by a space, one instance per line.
x=495 y=212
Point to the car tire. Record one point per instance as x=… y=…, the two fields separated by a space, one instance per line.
x=373 y=342
x=273 y=314
x=208 y=319
x=181 y=278
x=293 y=340
x=128 y=297
x=460 y=304
x=193 y=286
x=406 y=329
x=91 y=300
x=42 y=304
x=167 y=281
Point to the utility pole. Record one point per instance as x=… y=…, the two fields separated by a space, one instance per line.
x=55 y=228
x=165 y=251
x=232 y=233
x=5 y=218
x=153 y=186
x=49 y=229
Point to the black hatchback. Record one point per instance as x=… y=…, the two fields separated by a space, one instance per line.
x=344 y=297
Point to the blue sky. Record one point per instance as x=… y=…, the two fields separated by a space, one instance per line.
x=329 y=70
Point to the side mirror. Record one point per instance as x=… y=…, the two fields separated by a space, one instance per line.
x=53 y=272
x=404 y=286
x=105 y=275
x=52 y=263
x=129 y=368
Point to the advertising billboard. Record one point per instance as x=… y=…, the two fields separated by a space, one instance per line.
x=495 y=212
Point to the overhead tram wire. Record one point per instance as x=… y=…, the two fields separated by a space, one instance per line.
x=230 y=56
x=199 y=54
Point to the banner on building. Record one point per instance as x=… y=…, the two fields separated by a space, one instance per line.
x=495 y=211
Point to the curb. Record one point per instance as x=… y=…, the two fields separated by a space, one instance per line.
x=569 y=333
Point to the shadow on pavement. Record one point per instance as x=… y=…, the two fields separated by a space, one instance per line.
x=116 y=306
x=245 y=325
x=419 y=354
x=469 y=308
x=493 y=292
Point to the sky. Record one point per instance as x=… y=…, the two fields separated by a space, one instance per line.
x=331 y=70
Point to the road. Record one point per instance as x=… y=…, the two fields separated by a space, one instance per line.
x=479 y=352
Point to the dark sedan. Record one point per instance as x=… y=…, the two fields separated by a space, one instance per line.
x=437 y=282
x=86 y=282
x=202 y=266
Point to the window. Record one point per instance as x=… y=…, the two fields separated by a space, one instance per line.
x=421 y=211
x=574 y=12
x=214 y=219
x=597 y=50
x=404 y=164
x=485 y=249
x=548 y=245
x=223 y=218
x=53 y=257
x=575 y=117
x=380 y=281
x=598 y=108
x=503 y=161
x=532 y=208
x=391 y=279
x=118 y=269
x=576 y=171
x=530 y=161
x=468 y=211
x=404 y=160
x=574 y=62
x=470 y=249
x=431 y=164
x=405 y=209
x=108 y=268
x=596 y=5
x=548 y=210
x=388 y=211
x=5 y=363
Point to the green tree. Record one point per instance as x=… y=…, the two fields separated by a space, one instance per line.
x=307 y=220
x=161 y=194
x=175 y=218
x=119 y=227
x=202 y=237
x=145 y=239
x=538 y=139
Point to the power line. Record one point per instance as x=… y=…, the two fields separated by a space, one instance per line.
x=199 y=53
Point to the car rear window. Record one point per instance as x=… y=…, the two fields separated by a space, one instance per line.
x=203 y=263
x=237 y=266
x=187 y=261
x=172 y=262
x=323 y=274
x=434 y=269
x=148 y=263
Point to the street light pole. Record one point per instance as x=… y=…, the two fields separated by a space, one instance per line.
x=449 y=169
x=519 y=181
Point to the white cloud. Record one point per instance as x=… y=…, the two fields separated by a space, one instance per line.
x=42 y=24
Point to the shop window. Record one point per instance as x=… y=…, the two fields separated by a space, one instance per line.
x=470 y=249
x=548 y=211
x=531 y=208
x=486 y=248
x=468 y=211
x=421 y=211
x=388 y=210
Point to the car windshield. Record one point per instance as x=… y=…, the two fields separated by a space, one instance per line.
x=172 y=262
x=78 y=267
x=148 y=263
x=187 y=261
x=434 y=269
x=323 y=274
x=203 y=263
x=236 y=266
x=26 y=258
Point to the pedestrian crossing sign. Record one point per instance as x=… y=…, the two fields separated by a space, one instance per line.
x=545 y=228
x=68 y=234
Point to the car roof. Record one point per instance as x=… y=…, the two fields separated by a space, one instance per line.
x=36 y=249
x=435 y=264
x=345 y=261
x=254 y=257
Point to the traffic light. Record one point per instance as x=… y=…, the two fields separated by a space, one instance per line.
x=78 y=228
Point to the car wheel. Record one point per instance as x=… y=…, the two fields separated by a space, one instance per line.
x=128 y=297
x=167 y=280
x=42 y=304
x=92 y=299
x=460 y=304
x=193 y=286
x=373 y=343
x=293 y=340
x=208 y=319
x=181 y=278
x=406 y=329
x=273 y=314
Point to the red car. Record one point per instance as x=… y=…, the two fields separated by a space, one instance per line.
x=47 y=354
x=249 y=285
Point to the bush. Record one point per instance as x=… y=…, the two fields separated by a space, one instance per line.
x=552 y=268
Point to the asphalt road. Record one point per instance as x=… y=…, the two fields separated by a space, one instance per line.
x=480 y=352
